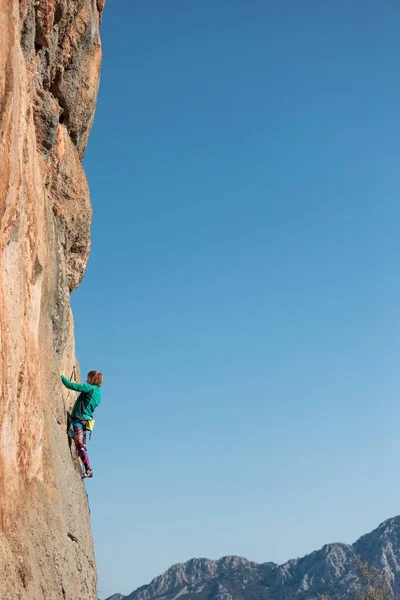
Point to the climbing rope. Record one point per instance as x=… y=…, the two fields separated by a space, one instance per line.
x=72 y=378
x=70 y=429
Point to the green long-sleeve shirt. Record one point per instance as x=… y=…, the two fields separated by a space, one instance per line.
x=88 y=399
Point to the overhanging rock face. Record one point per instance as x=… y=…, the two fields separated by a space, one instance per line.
x=49 y=73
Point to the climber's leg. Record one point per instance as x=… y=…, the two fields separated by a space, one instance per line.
x=80 y=444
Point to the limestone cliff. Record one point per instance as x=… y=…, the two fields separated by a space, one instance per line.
x=49 y=73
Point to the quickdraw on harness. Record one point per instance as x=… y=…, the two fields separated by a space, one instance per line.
x=89 y=427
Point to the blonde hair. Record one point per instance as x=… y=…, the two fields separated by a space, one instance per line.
x=95 y=378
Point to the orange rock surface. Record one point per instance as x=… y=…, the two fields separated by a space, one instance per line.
x=50 y=57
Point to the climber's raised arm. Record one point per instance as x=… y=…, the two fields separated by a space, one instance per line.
x=77 y=387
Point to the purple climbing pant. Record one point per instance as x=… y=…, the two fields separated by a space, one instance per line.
x=80 y=443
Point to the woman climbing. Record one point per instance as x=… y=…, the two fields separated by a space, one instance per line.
x=82 y=412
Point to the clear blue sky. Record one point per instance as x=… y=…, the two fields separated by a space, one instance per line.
x=243 y=293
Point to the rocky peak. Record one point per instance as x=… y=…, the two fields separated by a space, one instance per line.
x=332 y=569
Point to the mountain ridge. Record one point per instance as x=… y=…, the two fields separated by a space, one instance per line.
x=331 y=569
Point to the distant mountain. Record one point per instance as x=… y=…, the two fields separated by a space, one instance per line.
x=331 y=570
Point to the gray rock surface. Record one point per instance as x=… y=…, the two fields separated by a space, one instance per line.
x=331 y=570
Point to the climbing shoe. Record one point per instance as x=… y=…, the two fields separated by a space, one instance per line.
x=87 y=474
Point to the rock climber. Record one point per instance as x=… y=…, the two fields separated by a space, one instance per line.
x=82 y=412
